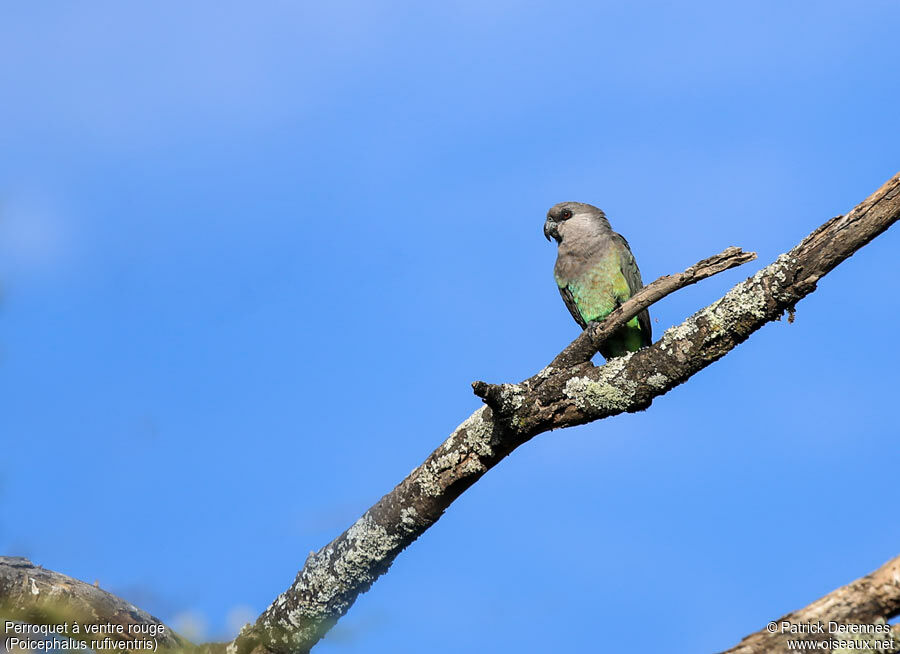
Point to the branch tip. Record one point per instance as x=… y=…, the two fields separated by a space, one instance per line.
x=481 y=389
x=491 y=395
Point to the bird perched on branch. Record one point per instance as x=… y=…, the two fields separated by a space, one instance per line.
x=596 y=272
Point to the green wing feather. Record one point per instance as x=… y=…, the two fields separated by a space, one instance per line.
x=609 y=283
x=572 y=305
x=632 y=275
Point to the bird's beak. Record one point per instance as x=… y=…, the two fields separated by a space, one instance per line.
x=550 y=229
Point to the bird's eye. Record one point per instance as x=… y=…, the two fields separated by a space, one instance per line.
x=566 y=214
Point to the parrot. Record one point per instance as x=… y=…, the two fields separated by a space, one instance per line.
x=596 y=272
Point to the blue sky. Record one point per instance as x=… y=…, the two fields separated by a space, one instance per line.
x=253 y=256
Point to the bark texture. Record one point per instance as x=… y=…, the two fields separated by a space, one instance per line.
x=570 y=391
x=869 y=600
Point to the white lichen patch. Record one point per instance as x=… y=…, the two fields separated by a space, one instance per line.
x=546 y=372
x=598 y=396
x=478 y=432
x=429 y=474
x=616 y=365
x=778 y=266
x=745 y=301
x=329 y=574
x=610 y=393
x=677 y=333
x=368 y=543
x=408 y=515
x=512 y=396
x=315 y=576
x=657 y=380
x=428 y=481
x=461 y=453
x=471 y=466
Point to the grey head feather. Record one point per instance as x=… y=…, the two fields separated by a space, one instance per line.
x=576 y=217
x=557 y=210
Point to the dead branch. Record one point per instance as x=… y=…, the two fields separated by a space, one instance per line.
x=33 y=595
x=870 y=600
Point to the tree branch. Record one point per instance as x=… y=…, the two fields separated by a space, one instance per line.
x=870 y=600
x=558 y=396
x=31 y=594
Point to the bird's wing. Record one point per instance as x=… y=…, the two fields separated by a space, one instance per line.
x=569 y=299
x=632 y=275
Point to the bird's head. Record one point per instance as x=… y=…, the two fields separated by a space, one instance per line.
x=576 y=212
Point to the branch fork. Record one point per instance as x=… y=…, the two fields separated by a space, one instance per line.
x=583 y=348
